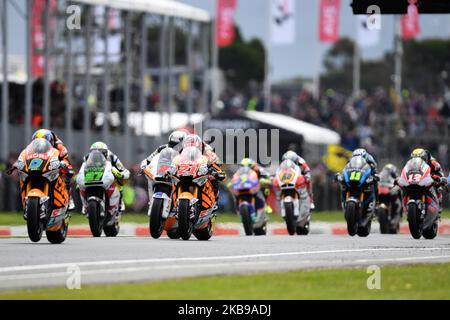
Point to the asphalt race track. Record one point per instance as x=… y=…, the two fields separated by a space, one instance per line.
x=24 y=264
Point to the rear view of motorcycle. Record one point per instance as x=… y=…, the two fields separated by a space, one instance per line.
x=358 y=196
x=100 y=195
x=390 y=209
x=295 y=202
x=160 y=185
x=420 y=199
x=245 y=187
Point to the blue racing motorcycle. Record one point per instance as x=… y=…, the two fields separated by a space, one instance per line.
x=358 y=196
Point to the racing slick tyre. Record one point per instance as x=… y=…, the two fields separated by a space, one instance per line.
x=184 y=221
x=204 y=234
x=246 y=220
x=113 y=230
x=432 y=232
x=95 y=219
x=290 y=218
x=156 y=223
x=173 y=234
x=414 y=221
x=303 y=231
x=34 y=223
x=261 y=231
x=351 y=214
x=58 y=236
x=383 y=219
x=364 y=231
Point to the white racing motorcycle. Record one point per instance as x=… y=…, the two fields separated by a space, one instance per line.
x=160 y=192
x=100 y=195
x=292 y=192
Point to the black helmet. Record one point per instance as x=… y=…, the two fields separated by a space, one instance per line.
x=176 y=138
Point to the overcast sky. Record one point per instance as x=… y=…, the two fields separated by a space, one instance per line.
x=288 y=61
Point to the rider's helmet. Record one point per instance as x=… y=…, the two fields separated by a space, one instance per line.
x=421 y=153
x=391 y=169
x=360 y=153
x=193 y=140
x=100 y=146
x=176 y=138
x=247 y=162
x=44 y=134
x=290 y=155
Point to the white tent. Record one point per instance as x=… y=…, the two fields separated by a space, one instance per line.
x=311 y=133
x=152 y=122
x=159 y=7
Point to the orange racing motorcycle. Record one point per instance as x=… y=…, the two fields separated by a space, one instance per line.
x=44 y=195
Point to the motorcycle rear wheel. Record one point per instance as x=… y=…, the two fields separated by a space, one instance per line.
x=351 y=214
x=204 y=234
x=290 y=218
x=34 y=224
x=95 y=220
x=58 y=236
x=383 y=220
x=303 y=231
x=246 y=220
x=413 y=221
x=184 y=221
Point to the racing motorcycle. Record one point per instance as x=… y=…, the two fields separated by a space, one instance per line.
x=194 y=197
x=294 y=197
x=44 y=195
x=420 y=199
x=389 y=211
x=160 y=213
x=245 y=186
x=359 y=196
x=100 y=194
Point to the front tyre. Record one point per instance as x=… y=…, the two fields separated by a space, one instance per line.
x=364 y=231
x=432 y=232
x=246 y=220
x=34 y=224
x=303 y=231
x=113 y=230
x=351 y=214
x=184 y=221
x=156 y=223
x=58 y=236
x=95 y=219
x=383 y=219
x=290 y=218
x=414 y=221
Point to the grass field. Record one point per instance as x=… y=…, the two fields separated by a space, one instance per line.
x=397 y=282
x=16 y=219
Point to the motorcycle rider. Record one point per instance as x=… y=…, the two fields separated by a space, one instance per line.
x=214 y=163
x=437 y=173
x=68 y=171
x=176 y=139
x=264 y=181
x=392 y=171
x=305 y=170
x=119 y=171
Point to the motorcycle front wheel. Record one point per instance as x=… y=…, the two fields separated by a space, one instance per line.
x=204 y=234
x=95 y=219
x=351 y=215
x=432 y=232
x=58 y=236
x=184 y=221
x=414 y=221
x=34 y=224
x=246 y=220
x=383 y=220
x=290 y=218
x=156 y=224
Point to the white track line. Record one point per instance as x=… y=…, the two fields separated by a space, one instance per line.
x=192 y=259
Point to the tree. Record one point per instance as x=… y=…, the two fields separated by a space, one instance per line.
x=243 y=62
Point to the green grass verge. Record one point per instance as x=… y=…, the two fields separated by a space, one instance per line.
x=397 y=282
x=16 y=219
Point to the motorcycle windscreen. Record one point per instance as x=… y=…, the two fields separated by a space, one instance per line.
x=165 y=161
x=94 y=167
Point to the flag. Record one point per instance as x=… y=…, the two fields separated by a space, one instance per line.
x=367 y=37
x=329 y=20
x=225 y=33
x=410 y=23
x=282 y=17
x=336 y=158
